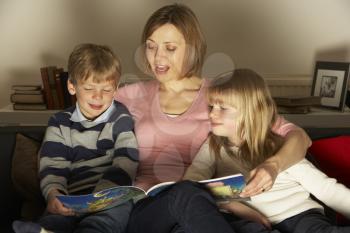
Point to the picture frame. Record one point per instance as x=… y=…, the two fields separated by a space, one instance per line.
x=330 y=83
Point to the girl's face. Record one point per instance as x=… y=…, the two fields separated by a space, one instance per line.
x=223 y=121
x=165 y=52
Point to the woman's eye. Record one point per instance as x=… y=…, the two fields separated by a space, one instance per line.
x=87 y=89
x=107 y=90
x=171 y=49
x=150 y=46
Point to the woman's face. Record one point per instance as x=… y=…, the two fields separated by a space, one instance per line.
x=165 y=52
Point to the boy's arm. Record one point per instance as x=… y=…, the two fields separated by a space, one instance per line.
x=324 y=188
x=203 y=165
x=125 y=158
x=245 y=212
x=54 y=166
x=292 y=151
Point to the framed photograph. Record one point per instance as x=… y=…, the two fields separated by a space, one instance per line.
x=330 y=83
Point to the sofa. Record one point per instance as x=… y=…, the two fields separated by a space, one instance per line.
x=21 y=199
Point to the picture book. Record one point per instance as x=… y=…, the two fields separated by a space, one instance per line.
x=223 y=189
x=226 y=188
x=102 y=200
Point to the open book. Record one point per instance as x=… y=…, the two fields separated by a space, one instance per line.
x=224 y=189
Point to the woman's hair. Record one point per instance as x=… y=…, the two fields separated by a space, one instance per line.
x=245 y=90
x=187 y=23
x=96 y=61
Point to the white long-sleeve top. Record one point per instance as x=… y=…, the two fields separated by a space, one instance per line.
x=290 y=194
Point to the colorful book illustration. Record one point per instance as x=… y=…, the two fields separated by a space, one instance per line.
x=101 y=200
x=224 y=189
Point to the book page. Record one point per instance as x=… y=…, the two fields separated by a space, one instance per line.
x=104 y=199
x=226 y=188
x=154 y=190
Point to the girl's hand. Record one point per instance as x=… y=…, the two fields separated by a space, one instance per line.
x=261 y=178
x=54 y=206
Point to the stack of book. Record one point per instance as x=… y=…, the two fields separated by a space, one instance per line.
x=27 y=97
x=55 y=88
x=301 y=104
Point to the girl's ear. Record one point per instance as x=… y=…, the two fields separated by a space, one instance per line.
x=71 y=87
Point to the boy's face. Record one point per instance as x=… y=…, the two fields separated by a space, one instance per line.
x=93 y=98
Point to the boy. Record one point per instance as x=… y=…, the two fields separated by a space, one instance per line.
x=88 y=147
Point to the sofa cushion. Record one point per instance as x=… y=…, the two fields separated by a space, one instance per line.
x=24 y=175
x=333 y=158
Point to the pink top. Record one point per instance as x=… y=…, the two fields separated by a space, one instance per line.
x=168 y=145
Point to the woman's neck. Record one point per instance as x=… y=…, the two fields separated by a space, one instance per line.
x=177 y=86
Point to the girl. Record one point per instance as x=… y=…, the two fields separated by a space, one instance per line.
x=244 y=134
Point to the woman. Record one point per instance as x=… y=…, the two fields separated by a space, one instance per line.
x=171 y=114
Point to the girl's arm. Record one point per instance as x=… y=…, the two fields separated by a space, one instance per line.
x=203 y=165
x=293 y=150
x=324 y=188
x=245 y=212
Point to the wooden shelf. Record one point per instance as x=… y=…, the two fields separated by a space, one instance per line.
x=321 y=118
x=317 y=118
x=10 y=117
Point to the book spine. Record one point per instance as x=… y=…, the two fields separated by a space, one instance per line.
x=51 y=74
x=59 y=88
x=17 y=106
x=47 y=89
x=66 y=94
x=23 y=98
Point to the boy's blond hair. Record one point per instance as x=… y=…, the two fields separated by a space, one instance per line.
x=247 y=91
x=96 y=61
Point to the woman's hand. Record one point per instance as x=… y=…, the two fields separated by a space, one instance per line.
x=54 y=206
x=261 y=178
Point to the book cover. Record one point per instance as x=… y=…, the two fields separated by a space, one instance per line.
x=293 y=109
x=18 y=106
x=69 y=100
x=104 y=199
x=224 y=189
x=30 y=92
x=59 y=88
x=26 y=87
x=47 y=90
x=52 y=82
x=24 y=98
x=298 y=101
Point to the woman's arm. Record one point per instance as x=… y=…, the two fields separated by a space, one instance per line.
x=293 y=150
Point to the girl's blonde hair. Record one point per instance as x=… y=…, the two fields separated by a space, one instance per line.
x=245 y=90
x=183 y=18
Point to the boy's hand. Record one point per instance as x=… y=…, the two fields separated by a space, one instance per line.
x=261 y=178
x=54 y=206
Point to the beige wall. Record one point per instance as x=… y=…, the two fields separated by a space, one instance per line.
x=275 y=37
